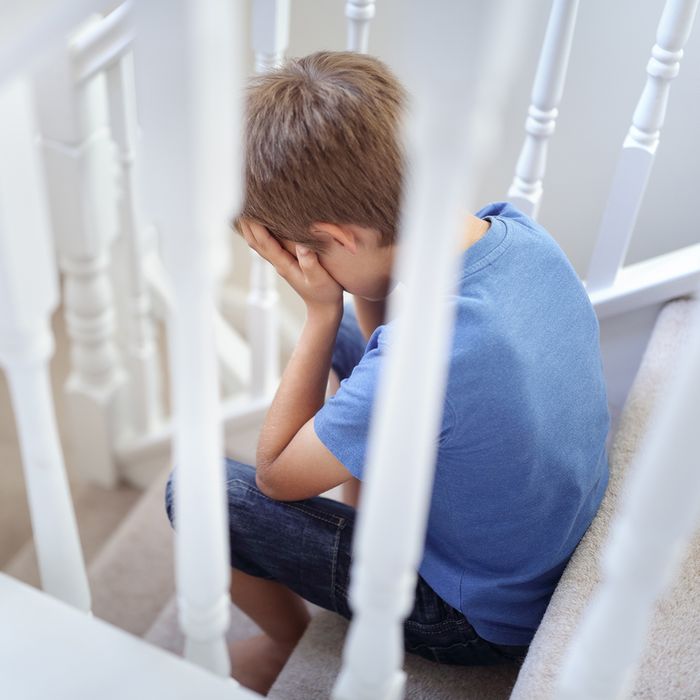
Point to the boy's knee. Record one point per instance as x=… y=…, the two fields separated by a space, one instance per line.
x=240 y=482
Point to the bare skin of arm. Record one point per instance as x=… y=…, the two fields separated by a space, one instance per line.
x=370 y=315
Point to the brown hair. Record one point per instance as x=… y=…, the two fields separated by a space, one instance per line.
x=322 y=144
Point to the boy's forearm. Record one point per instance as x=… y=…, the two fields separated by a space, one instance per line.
x=302 y=389
x=370 y=314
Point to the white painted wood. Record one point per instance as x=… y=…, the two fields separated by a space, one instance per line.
x=79 y=158
x=269 y=37
x=104 y=43
x=650 y=282
x=32 y=28
x=28 y=297
x=397 y=487
x=233 y=351
x=144 y=382
x=638 y=151
x=649 y=535
x=189 y=64
x=526 y=190
x=269 y=32
x=263 y=328
x=359 y=13
x=100 y=660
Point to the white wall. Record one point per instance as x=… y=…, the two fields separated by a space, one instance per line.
x=611 y=47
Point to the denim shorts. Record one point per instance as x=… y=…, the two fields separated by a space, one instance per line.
x=307 y=546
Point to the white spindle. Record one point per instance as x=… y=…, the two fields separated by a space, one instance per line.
x=359 y=13
x=28 y=297
x=79 y=159
x=526 y=190
x=657 y=517
x=397 y=488
x=270 y=36
x=145 y=405
x=269 y=32
x=188 y=76
x=637 y=157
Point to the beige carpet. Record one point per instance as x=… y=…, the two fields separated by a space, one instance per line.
x=98 y=510
x=313 y=667
x=671 y=664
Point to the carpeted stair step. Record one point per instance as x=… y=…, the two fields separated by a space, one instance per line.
x=313 y=667
x=670 y=666
x=132 y=578
x=98 y=512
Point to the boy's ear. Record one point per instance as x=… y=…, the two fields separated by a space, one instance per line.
x=342 y=235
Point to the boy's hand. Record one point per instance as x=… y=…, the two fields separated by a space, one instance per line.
x=309 y=279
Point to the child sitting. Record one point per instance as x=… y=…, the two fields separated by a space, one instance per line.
x=521 y=462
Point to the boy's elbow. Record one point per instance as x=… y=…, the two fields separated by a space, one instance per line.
x=264 y=480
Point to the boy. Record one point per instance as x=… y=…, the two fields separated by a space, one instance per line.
x=521 y=461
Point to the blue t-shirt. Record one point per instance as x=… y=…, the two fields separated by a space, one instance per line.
x=521 y=461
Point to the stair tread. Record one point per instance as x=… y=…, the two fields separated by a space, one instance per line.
x=100 y=660
x=313 y=667
x=669 y=666
x=132 y=577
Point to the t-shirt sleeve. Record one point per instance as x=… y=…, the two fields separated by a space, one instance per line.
x=342 y=423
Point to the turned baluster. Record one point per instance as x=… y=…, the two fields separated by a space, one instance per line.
x=145 y=402
x=28 y=297
x=189 y=84
x=79 y=160
x=639 y=148
x=359 y=14
x=269 y=38
x=526 y=190
x=397 y=487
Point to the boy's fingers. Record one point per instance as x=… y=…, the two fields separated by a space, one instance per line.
x=307 y=260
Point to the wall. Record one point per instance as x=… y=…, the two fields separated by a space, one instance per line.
x=606 y=74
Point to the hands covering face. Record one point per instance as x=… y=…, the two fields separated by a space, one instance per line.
x=304 y=273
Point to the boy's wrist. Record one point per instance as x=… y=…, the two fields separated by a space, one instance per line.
x=324 y=313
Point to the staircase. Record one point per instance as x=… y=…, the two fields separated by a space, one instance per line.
x=131 y=577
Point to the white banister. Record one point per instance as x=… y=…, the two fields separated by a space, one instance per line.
x=28 y=297
x=269 y=33
x=103 y=43
x=145 y=402
x=269 y=38
x=359 y=13
x=637 y=158
x=397 y=487
x=189 y=66
x=649 y=536
x=80 y=165
x=526 y=190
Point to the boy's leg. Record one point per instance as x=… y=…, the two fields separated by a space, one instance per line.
x=275 y=541
x=281 y=614
x=283 y=550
